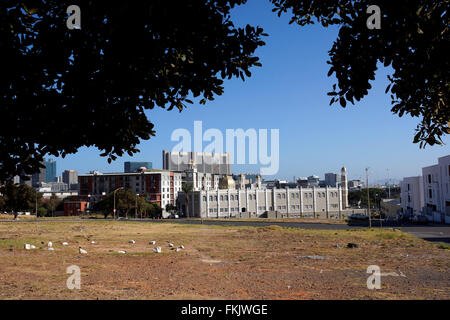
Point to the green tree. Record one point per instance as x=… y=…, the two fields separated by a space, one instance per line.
x=129 y=57
x=413 y=39
x=125 y=201
x=19 y=198
x=52 y=203
x=41 y=212
x=187 y=189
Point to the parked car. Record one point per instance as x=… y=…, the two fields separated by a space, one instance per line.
x=420 y=219
x=358 y=216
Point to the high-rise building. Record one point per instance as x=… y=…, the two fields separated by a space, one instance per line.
x=132 y=166
x=38 y=177
x=50 y=170
x=332 y=179
x=70 y=177
x=213 y=163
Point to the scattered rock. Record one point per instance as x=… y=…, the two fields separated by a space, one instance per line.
x=33 y=246
x=121 y=251
x=27 y=246
x=152 y=242
x=65 y=244
x=132 y=241
x=337 y=246
x=51 y=249
x=352 y=245
x=92 y=242
x=157 y=249
x=181 y=247
x=171 y=245
x=312 y=257
x=49 y=244
x=178 y=249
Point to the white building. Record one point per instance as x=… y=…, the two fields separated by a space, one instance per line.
x=436 y=181
x=411 y=195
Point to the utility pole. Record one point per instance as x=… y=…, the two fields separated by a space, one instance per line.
x=389 y=185
x=368 y=198
x=114 y=211
x=135 y=206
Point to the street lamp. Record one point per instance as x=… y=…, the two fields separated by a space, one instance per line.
x=114 y=192
x=135 y=206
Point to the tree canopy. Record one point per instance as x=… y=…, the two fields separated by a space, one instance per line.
x=414 y=39
x=62 y=89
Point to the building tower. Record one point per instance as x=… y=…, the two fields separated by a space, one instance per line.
x=242 y=181
x=258 y=181
x=344 y=186
x=191 y=175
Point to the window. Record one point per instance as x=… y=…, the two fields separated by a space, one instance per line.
x=221 y=198
x=231 y=197
x=408 y=186
x=278 y=196
x=204 y=198
x=210 y=198
x=283 y=196
x=226 y=198
x=429 y=178
x=430 y=193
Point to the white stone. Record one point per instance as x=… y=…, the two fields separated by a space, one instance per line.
x=171 y=245
x=51 y=249
x=92 y=242
x=132 y=241
x=33 y=246
x=27 y=246
x=65 y=244
x=82 y=251
x=152 y=242
x=49 y=244
x=181 y=247
x=121 y=251
x=178 y=249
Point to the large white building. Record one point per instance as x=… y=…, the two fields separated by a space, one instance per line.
x=436 y=181
x=233 y=200
x=411 y=195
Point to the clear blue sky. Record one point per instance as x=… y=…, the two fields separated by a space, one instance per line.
x=289 y=93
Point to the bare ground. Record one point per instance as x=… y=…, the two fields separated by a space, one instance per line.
x=217 y=262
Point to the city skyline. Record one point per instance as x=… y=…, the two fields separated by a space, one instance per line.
x=289 y=93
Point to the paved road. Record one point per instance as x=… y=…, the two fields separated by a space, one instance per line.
x=434 y=233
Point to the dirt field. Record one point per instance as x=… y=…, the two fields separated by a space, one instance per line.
x=217 y=262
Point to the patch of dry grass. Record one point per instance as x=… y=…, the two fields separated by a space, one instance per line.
x=217 y=263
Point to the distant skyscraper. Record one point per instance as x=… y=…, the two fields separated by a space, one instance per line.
x=38 y=177
x=70 y=177
x=50 y=171
x=131 y=166
x=332 y=179
x=213 y=163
